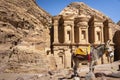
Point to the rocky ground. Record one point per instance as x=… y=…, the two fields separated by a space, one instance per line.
x=102 y=72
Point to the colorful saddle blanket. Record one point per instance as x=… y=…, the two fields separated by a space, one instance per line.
x=83 y=53
x=80 y=51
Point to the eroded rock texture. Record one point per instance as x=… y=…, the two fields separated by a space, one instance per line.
x=118 y=23
x=24 y=36
x=116 y=40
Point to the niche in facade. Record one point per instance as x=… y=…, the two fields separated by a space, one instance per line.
x=98 y=36
x=68 y=34
x=83 y=36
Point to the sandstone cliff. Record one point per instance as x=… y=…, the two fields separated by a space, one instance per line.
x=24 y=34
x=118 y=23
x=79 y=8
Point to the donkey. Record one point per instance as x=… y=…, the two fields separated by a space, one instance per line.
x=110 y=56
x=95 y=54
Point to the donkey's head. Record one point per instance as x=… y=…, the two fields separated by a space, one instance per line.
x=107 y=45
x=101 y=48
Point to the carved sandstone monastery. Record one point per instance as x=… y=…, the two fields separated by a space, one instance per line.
x=30 y=37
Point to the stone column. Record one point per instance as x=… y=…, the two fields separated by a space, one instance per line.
x=107 y=26
x=109 y=33
x=87 y=35
x=109 y=22
x=102 y=35
x=94 y=39
x=79 y=35
x=72 y=32
x=56 y=24
x=67 y=60
x=65 y=33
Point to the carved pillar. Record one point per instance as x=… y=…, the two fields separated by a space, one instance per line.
x=56 y=24
x=95 y=34
x=102 y=34
x=87 y=35
x=110 y=31
x=79 y=34
x=72 y=32
x=68 y=59
x=65 y=33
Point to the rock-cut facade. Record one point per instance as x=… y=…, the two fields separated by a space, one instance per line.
x=78 y=25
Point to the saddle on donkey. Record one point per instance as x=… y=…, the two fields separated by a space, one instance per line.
x=80 y=53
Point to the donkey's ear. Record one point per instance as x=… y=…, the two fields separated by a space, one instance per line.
x=108 y=41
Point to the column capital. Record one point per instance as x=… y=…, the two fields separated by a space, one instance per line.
x=56 y=17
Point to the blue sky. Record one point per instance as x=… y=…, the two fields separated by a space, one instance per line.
x=110 y=8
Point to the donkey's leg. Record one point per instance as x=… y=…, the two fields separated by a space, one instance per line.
x=108 y=59
x=92 y=63
x=91 y=66
x=111 y=59
x=76 y=61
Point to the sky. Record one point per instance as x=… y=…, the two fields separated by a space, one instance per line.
x=110 y=8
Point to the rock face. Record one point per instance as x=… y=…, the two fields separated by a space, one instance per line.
x=24 y=35
x=116 y=40
x=118 y=23
x=78 y=8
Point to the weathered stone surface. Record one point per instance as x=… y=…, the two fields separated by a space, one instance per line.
x=78 y=8
x=116 y=40
x=118 y=23
x=24 y=36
